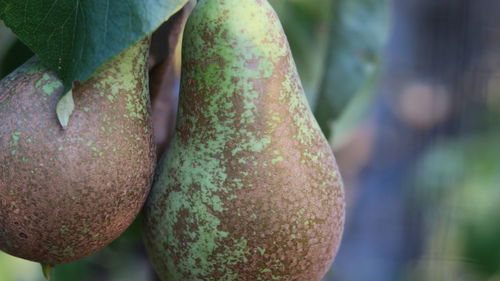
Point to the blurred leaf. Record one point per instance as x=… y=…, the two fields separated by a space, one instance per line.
x=443 y=166
x=80 y=270
x=73 y=38
x=458 y=182
x=479 y=204
x=354 y=113
x=17 y=54
x=358 y=34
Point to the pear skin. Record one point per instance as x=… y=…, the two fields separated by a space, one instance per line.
x=250 y=189
x=65 y=194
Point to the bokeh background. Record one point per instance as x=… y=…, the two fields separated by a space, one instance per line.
x=408 y=92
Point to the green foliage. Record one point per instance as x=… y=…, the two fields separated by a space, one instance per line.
x=73 y=38
x=458 y=183
x=359 y=29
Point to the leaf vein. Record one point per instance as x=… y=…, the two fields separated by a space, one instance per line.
x=46 y=16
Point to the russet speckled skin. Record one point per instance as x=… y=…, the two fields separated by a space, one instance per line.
x=65 y=194
x=250 y=189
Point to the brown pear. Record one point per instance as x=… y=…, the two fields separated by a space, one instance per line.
x=65 y=194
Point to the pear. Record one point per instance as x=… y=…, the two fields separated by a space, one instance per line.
x=250 y=189
x=65 y=194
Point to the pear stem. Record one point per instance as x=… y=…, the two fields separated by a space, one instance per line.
x=47 y=271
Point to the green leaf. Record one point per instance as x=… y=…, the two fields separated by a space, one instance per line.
x=354 y=113
x=65 y=108
x=358 y=34
x=74 y=37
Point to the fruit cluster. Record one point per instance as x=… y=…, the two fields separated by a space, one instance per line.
x=248 y=189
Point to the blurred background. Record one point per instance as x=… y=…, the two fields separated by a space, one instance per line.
x=408 y=92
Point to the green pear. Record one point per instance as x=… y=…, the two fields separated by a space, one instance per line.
x=65 y=194
x=250 y=189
